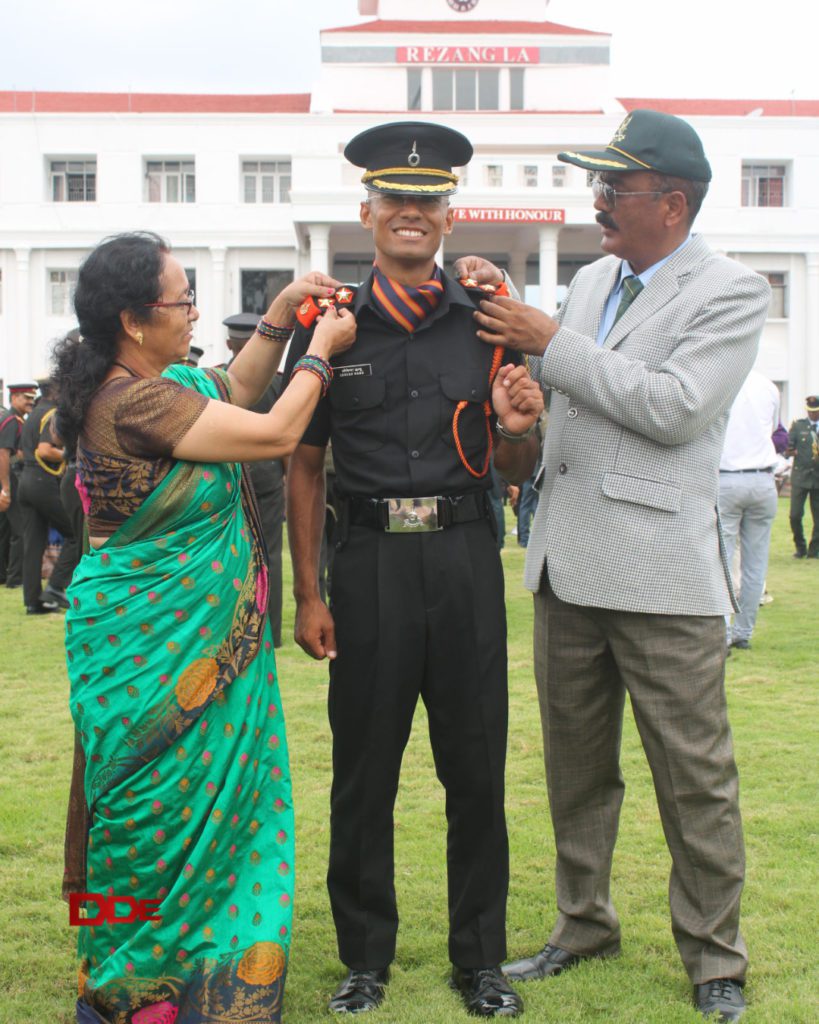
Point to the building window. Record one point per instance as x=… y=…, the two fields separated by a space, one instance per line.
x=559 y=175
x=170 y=181
x=494 y=175
x=763 y=184
x=516 y=89
x=778 y=308
x=529 y=175
x=61 y=287
x=266 y=181
x=414 y=89
x=73 y=181
x=465 y=89
x=260 y=287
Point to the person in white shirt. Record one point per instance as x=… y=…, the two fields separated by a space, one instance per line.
x=747 y=495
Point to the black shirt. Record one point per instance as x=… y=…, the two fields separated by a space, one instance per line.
x=390 y=407
x=11 y=426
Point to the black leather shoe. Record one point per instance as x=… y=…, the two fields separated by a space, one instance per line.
x=42 y=608
x=800 y=553
x=53 y=596
x=741 y=645
x=360 y=992
x=486 y=993
x=722 y=996
x=551 y=960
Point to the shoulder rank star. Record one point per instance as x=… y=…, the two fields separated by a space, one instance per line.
x=311 y=309
x=470 y=282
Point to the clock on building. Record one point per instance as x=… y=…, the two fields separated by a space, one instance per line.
x=462 y=5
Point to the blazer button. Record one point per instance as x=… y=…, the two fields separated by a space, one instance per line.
x=413 y=393
x=415 y=454
x=571 y=413
x=562 y=468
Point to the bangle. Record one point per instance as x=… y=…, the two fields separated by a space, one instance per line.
x=272 y=331
x=318 y=367
x=515 y=438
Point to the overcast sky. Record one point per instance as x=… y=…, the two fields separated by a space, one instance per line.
x=688 y=48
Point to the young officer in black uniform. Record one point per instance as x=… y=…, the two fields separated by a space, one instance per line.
x=803 y=444
x=21 y=400
x=40 y=507
x=418 y=592
x=267 y=477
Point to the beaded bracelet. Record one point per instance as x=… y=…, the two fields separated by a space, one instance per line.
x=318 y=367
x=273 y=332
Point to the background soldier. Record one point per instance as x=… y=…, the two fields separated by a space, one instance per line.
x=21 y=400
x=803 y=444
x=267 y=477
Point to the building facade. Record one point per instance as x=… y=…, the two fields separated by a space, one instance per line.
x=251 y=190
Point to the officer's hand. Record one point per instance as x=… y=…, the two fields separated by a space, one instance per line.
x=478 y=269
x=503 y=321
x=315 y=631
x=334 y=333
x=516 y=399
x=5 y=500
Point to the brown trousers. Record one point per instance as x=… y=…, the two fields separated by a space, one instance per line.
x=673 y=667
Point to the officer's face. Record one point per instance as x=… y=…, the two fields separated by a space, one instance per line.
x=22 y=403
x=406 y=229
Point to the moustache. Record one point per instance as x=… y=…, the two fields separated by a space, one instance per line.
x=605 y=221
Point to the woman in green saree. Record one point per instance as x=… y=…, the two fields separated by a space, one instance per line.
x=170 y=656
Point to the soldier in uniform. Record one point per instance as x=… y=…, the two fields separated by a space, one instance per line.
x=803 y=444
x=41 y=507
x=417 y=604
x=21 y=400
x=267 y=477
x=194 y=355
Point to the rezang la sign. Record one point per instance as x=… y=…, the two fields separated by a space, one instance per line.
x=468 y=54
x=508 y=215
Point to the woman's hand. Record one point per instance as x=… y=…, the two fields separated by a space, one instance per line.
x=284 y=307
x=334 y=333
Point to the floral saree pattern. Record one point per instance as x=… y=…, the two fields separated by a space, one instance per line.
x=174 y=692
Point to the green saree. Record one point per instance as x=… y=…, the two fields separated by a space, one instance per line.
x=174 y=693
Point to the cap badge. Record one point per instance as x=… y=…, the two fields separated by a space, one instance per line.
x=620 y=134
x=414 y=159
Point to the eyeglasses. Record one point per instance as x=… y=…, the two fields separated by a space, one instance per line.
x=187 y=302
x=610 y=193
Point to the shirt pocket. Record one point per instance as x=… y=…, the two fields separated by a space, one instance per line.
x=358 y=407
x=472 y=388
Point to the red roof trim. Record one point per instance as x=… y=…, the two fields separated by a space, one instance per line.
x=501 y=28
x=151 y=103
x=727 y=108
x=474 y=113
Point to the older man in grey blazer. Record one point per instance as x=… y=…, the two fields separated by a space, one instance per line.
x=625 y=557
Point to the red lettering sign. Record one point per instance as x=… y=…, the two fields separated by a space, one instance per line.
x=106 y=909
x=468 y=55
x=508 y=215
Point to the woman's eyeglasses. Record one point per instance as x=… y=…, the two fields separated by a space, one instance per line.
x=188 y=302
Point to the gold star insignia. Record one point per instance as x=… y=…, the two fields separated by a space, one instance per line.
x=344 y=295
x=305 y=309
x=326 y=302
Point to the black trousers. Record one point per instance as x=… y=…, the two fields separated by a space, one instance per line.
x=418 y=615
x=797 y=511
x=40 y=507
x=271 y=513
x=13 y=530
x=73 y=505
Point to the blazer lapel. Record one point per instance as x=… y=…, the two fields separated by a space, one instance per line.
x=662 y=288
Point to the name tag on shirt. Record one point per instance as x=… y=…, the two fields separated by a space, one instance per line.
x=353 y=370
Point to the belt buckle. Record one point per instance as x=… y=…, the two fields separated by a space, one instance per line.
x=412 y=515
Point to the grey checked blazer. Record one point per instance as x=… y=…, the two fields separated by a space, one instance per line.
x=627 y=517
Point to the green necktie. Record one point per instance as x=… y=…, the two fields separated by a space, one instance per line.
x=632 y=286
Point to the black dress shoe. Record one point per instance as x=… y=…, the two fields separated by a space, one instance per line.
x=486 y=993
x=41 y=608
x=53 y=596
x=722 y=996
x=551 y=960
x=741 y=645
x=800 y=553
x=360 y=992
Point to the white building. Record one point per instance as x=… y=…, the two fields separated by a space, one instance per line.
x=252 y=189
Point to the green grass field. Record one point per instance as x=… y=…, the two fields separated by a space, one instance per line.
x=772 y=693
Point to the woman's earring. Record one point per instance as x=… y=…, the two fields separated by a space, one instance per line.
x=139 y=337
